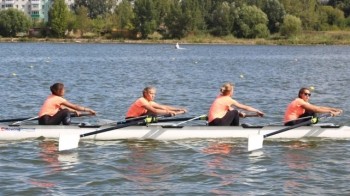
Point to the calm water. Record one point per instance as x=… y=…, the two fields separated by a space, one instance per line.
x=109 y=77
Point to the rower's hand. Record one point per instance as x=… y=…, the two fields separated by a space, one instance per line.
x=336 y=113
x=92 y=112
x=260 y=114
x=181 y=111
x=77 y=113
x=242 y=114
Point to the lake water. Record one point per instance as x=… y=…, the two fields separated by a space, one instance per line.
x=109 y=77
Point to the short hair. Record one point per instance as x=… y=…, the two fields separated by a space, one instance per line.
x=147 y=89
x=56 y=88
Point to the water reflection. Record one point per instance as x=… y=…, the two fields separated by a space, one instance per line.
x=57 y=161
x=298 y=164
x=218 y=165
x=144 y=166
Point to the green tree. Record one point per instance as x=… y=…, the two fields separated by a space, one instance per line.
x=193 y=12
x=58 y=18
x=251 y=22
x=331 y=16
x=306 y=10
x=275 y=13
x=83 y=22
x=125 y=15
x=176 y=22
x=144 y=21
x=71 y=22
x=291 y=26
x=95 y=7
x=13 y=21
x=162 y=9
x=221 y=17
x=343 y=5
x=98 y=25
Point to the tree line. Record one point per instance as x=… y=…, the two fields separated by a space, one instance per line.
x=176 y=19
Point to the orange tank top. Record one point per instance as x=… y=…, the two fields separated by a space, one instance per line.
x=294 y=110
x=137 y=108
x=219 y=108
x=51 y=105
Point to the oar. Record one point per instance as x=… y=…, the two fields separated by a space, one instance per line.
x=203 y=117
x=21 y=120
x=15 y=119
x=251 y=115
x=127 y=120
x=71 y=141
x=255 y=142
x=29 y=119
x=279 y=123
x=192 y=119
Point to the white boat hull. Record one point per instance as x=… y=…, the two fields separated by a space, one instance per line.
x=158 y=132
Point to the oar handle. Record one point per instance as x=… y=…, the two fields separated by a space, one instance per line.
x=73 y=114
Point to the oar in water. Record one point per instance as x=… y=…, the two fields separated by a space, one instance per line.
x=71 y=141
x=255 y=142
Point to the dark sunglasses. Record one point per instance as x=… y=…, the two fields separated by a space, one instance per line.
x=307 y=94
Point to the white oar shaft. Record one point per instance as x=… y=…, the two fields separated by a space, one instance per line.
x=192 y=119
x=29 y=119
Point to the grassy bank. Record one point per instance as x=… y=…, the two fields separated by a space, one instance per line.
x=307 y=38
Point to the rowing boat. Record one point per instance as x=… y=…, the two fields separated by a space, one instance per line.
x=167 y=132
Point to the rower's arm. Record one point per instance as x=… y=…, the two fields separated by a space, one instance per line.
x=321 y=109
x=154 y=108
x=74 y=108
x=247 y=108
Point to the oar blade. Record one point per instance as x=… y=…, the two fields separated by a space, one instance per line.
x=68 y=141
x=255 y=142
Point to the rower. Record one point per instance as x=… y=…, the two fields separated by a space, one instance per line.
x=221 y=112
x=56 y=109
x=146 y=105
x=300 y=110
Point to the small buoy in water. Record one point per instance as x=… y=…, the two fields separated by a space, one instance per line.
x=195 y=62
x=312 y=88
x=31 y=66
x=242 y=76
x=14 y=74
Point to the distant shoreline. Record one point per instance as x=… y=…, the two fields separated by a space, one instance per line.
x=307 y=38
